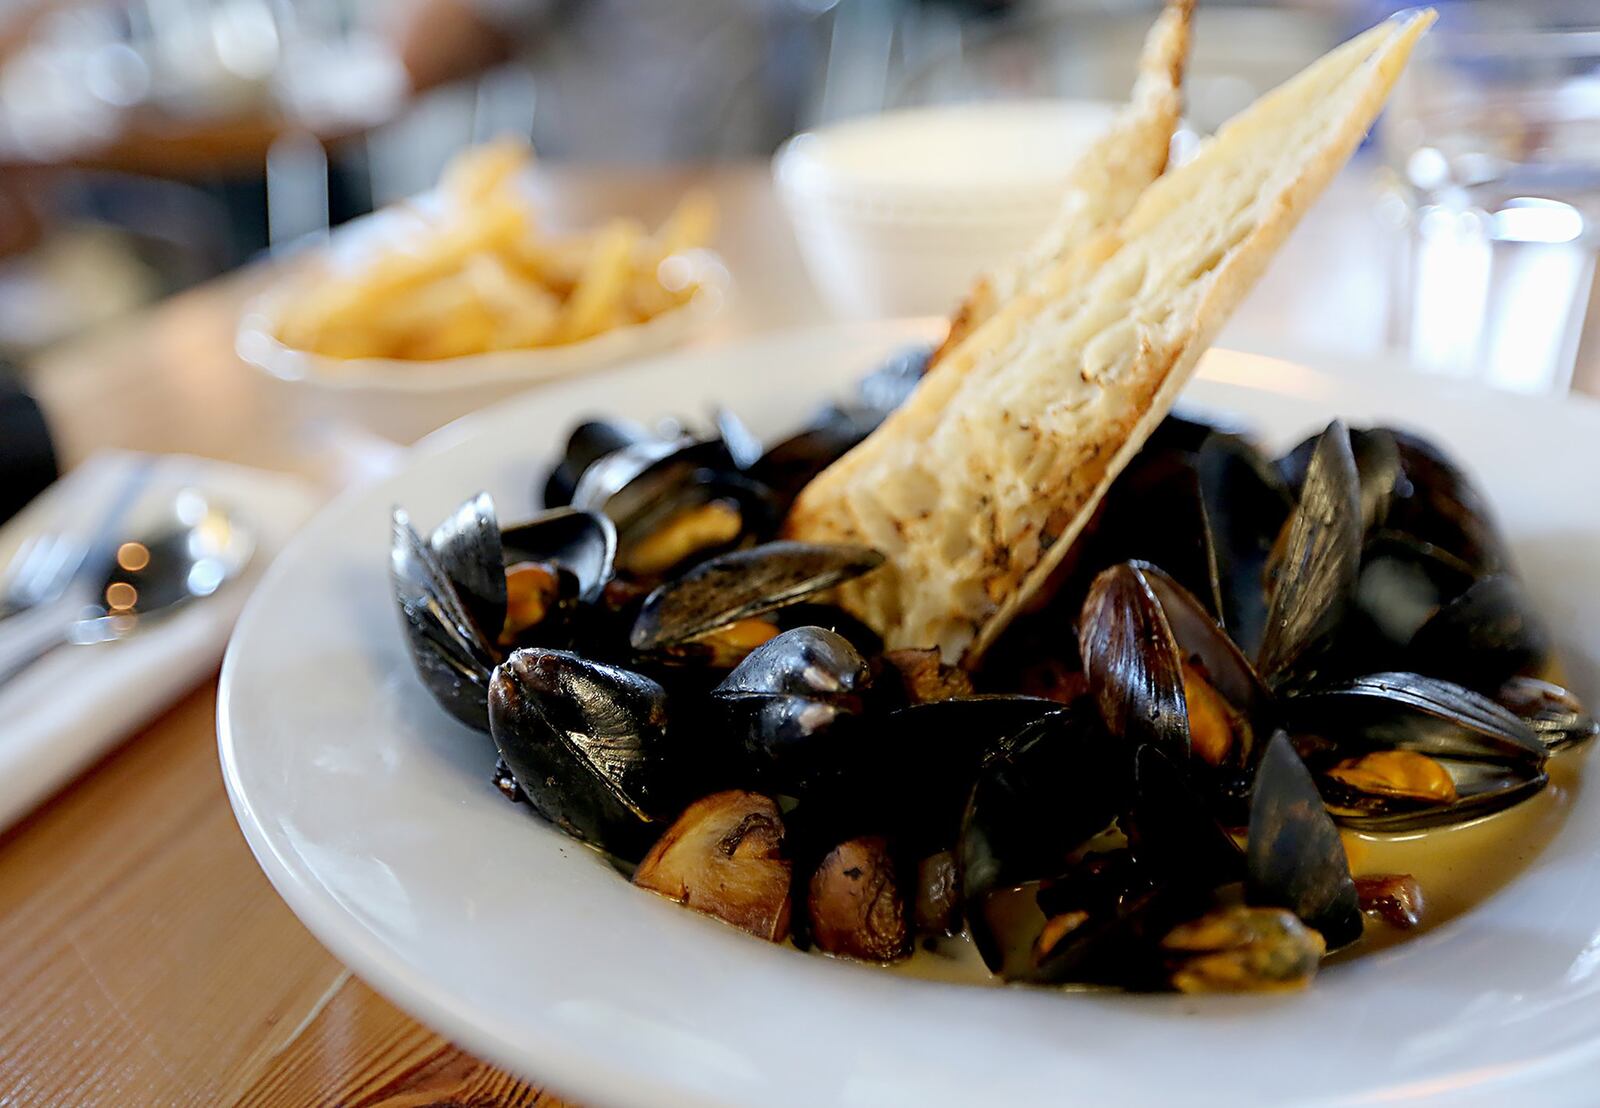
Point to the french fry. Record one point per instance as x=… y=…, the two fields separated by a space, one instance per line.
x=594 y=299
x=480 y=274
x=691 y=223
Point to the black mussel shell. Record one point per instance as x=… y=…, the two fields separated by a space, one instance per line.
x=743 y=584
x=1038 y=797
x=446 y=647
x=1200 y=639
x=790 y=464
x=788 y=744
x=589 y=442
x=1186 y=431
x=807 y=661
x=835 y=619
x=1379 y=467
x=1131 y=660
x=1494 y=759
x=1317 y=573
x=1295 y=856
x=1407 y=711
x=648 y=484
x=474 y=553
x=468 y=549
x=585 y=543
x=789 y=705
x=1246 y=503
x=1444 y=508
x=587 y=743
x=1484 y=636
x=1554 y=714
x=892 y=383
x=743 y=447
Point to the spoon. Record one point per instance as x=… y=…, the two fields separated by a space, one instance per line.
x=189 y=555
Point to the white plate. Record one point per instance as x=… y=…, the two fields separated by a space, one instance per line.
x=403 y=399
x=373 y=815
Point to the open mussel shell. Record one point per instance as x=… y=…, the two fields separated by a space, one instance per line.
x=1553 y=713
x=474 y=553
x=589 y=442
x=1147 y=645
x=1482 y=789
x=1492 y=758
x=584 y=543
x=1407 y=711
x=1295 y=857
x=449 y=653
x=742 y=585
x=1038 y=796
x=1317 y=571
x=676 y=499
x=1379 y=469
x=587 y=743
x=1131 y=660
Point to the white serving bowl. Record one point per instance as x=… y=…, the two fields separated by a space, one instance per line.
x=896 y=213
x=403 y=399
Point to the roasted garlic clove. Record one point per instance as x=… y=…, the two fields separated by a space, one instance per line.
x=1395 y=898
x=724 y=857
x=924 y=677
x=856 y=907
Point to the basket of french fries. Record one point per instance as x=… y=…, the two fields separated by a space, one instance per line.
x=429 y=309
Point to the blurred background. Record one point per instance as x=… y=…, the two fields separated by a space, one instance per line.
x=146 y=145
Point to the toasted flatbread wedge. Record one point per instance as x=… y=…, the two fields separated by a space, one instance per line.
x=976 y=488
x=1106 y=181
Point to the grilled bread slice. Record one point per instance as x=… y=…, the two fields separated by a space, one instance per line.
x=976 y=488
x=1106 y=181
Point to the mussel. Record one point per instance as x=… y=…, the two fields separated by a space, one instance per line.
x=1315 y=576
x=676 y=500
x=788 y=706
x=1403 y=752
x=1162 y=671
x=681 y=616
x=473 y=591
x=587 y=742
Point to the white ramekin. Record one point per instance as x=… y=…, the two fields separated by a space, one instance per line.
x=896 y=214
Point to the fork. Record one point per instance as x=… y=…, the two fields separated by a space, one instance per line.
x=40 y=571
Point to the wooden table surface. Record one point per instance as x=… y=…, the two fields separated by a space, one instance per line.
x=143 y=957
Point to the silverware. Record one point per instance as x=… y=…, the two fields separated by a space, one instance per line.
x=188 y=555
x=46 y=565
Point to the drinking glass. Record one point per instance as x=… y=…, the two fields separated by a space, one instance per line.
x=1493 y=138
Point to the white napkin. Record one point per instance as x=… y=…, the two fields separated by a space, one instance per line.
x=74 y=704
